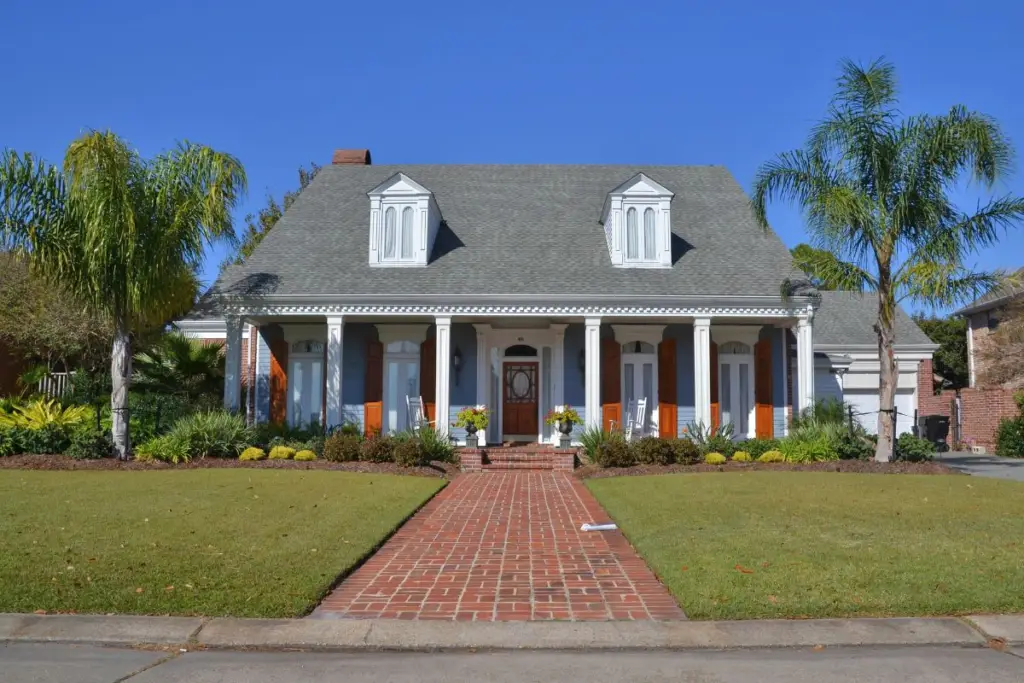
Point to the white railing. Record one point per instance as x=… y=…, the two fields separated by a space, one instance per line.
x=54 y=384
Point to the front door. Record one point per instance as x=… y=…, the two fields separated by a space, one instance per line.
x=736 y=390
x=519 y=405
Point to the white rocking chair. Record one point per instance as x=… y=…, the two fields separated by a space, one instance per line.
x=634 y=418
x=416 y=412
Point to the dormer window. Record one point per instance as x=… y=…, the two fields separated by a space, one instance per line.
x=404 y=219
x=637 y=223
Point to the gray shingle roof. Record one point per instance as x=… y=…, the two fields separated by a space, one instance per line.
x=849 y=318
x=1013 y=287
x=516 y=230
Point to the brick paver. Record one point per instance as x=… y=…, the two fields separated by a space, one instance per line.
x=504 y=546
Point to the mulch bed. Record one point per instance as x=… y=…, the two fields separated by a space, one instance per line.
x=857 y=466
x=60 y=462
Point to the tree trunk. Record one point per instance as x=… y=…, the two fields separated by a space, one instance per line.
x=888 y=377
x=120 y=375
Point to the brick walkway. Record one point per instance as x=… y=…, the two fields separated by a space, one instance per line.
x=504 y=546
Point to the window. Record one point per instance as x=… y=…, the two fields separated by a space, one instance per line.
x=407 y=232
x=404 y=220
x=637 y=347
x=398 y=235
x=389 y=232
x=641 y=243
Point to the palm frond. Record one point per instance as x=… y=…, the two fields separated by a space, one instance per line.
x=943 y=284
x=831 y=271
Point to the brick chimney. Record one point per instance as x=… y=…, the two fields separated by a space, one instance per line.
x=359 y=157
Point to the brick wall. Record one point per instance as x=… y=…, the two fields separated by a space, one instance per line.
x=980 y=409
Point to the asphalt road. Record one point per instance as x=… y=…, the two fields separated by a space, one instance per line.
x=22 y=663
x=984 y=465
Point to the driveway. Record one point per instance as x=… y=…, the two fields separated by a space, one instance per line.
x=504 y=546
x=984 y=465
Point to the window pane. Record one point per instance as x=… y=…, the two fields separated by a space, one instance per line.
x=407 y=232
x=632 y=236
x=395 y=409
x=297 y=394
x=725 y=390
x=744 y=399
x=650 y=241
x=648 y=392
x=316 y=396
x=389 y=233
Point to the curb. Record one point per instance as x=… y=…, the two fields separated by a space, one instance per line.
x=346 y=634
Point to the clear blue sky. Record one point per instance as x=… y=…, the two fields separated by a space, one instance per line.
x=280 y=84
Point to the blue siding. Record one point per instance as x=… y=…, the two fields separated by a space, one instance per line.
x=262 y=405
x=463 y=388
x=575 y=391
x=356 y=339
x=685 y=410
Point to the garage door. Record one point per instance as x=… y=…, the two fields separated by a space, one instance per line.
x=866 y=403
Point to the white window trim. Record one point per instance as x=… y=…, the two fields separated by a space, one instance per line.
x=641 y=193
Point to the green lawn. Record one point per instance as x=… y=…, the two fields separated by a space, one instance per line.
x=240 y=542
x=803 y=544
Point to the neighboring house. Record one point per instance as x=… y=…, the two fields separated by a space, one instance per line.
x=984 y=316
x=528 y=287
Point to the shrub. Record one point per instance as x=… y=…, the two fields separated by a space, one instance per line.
x=341 y=447
x=268 y=435
x=741 y=456
x=910 y=448
x=168 y=448
x=771 y=456
x=651 y=450
x=854 y=447
x=714 y=459
x=719 y=444
x=44 y=440
x=305 y=456
x=1010 y=438
x=685 y=451
x=614 y=452
x=591 y=439
x=90 y=445
x=435 y=446
x=43 y=413
x=378 y=449
x=409 y=453
x=349 y=429
x=6 y=443
x=703 y=435
x=252 y=453
x=281 y=453
x=825 y=411
x=758 y=447
x=214 y=434
x=799 y=451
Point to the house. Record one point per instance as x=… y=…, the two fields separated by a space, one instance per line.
x=984 y=316
x=529 y=287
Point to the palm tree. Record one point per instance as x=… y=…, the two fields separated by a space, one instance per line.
x=124 y=233
x=875 y=188
x=176 y=364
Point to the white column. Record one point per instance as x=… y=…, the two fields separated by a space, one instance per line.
x=483 y=374
x=442 y=372
x=782 y=329
x=233 y=364
x=592 y=376
x=335 y=331
x=702 y=371
x=805 y=363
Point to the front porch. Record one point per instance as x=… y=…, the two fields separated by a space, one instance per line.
x=732 y=368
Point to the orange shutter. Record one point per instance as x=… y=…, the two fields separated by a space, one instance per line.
x=278 y=381
x=667 y=411
x=611 y=384
x=373 y=398
x=764 y=414
x=428 y=375
x=716 y=415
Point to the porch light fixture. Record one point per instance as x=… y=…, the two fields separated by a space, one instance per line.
x=457 y=364
x=583 y=361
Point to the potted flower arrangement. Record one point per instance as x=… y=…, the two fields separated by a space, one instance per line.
x=473 y=419
x=564 y=418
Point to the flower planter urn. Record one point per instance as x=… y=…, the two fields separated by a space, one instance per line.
x=471 y=429
x=565 y=427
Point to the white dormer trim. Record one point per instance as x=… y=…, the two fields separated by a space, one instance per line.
x=640 y=194
x=406 y=197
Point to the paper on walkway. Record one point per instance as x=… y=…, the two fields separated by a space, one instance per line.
x=598 y=527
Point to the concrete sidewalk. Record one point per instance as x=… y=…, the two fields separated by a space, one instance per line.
x=344 y=634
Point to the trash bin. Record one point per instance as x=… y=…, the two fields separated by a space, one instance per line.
x=936 y=428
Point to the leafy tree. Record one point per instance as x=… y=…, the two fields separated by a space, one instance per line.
x=41 y=322
x=262 y=222
x=950 y=360
x=123 y=233
x=804 y=258
x=875 y=187
x=180 y=365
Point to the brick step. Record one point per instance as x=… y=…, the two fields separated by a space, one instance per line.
x=531 y=465
x=535 y=458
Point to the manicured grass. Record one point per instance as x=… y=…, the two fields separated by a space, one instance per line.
x=240 y=542
x=803 y=544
